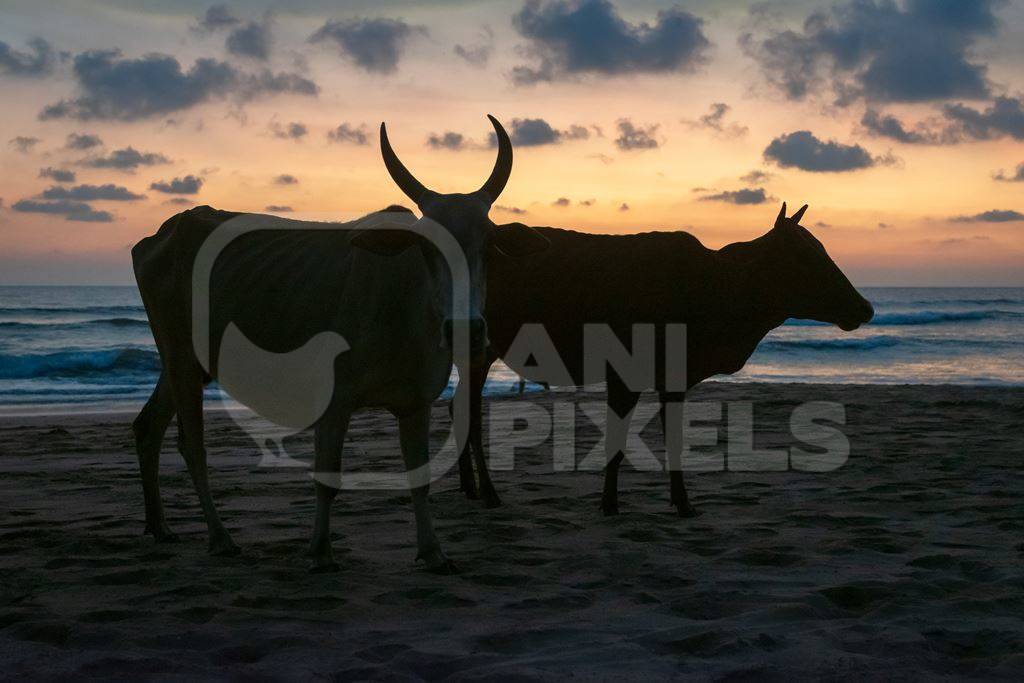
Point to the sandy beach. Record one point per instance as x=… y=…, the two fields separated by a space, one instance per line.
x=907 y=562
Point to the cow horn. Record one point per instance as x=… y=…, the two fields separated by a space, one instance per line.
x=406 y=182
x=502 y=166
x=798 y=215
x=782 y=214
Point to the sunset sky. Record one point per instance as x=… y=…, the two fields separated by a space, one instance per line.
x=900 y=123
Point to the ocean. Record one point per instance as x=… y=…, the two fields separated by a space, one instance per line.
x=79 y=349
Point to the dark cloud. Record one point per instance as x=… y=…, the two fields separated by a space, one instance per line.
x=356 y=135
x=179 y=201
x=252 y=40
x=57 y=174
x=633 y=137
x=515 y=210
x=1004 y=117
x=1015 y=177
x=154 y=85
x=23 y=143
x=887 y=126
x=588 y=202
x=993 y=216
x=714 y=121
x=190 y=184
x=822 y=224
x=805 y=151
x=37 y=62
x=757 y=176
x=128 y=158
x=286 y=179
x=278 y=208
x=88 y=193
x=292 y=131
x=624 y=207
x=448 y=140
x=479 y=53
x=561 y=202
x=569 y=38
x=537 y=132
x=375 y=45
x=216 y=18
x=70 y=210
x=745 y=196
x=82 y=141
x=917 y=51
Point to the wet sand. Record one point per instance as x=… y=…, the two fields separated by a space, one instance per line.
x=907 y=562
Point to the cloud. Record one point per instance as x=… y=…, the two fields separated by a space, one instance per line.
x=757 y=176
x=250 y=40
x=1016 y=177
x=916 y=51
x=70 y=210
x=293 y=131
x=992 y=216
x=128 y=158
x=286 y=179
x=178 y=201
x=632 y=137
x=1004 y=117
x=714 y=121
x=479 y=53
x=216 y=18
x=587 y=202
x=805 y=151
x=822 y=224
x=570 y=38
x=741 y=197
x=82 y=141
x=278 y=208
x=35 y=63
x=351 y=134
x=88 y=193
x=449 y=140
x=537 y=132
x=190 y=184
x=57 y=175
x=23 y=144
x=375 y=45
x=115 y=88
x=886 y=126
x=515 y=210
x=561 y=202
x=623 y=206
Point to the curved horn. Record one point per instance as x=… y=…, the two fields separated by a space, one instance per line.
x=502 y=166
x=782 y=214
x=406 y=182
x=798 y=215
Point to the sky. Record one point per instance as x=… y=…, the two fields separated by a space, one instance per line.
x=900 y=122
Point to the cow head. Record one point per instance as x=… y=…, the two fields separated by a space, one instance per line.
x=465 y=217
x=813 y=287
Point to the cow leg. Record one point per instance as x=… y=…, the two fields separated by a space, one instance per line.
x=621 y=402
x=329 y=439
x=678 y=496
x=187 y=387
x=467 y=480
x=149 y=428
x=414 y=436
x=476 y=437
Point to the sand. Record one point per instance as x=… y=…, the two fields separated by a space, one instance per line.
x=907 y=562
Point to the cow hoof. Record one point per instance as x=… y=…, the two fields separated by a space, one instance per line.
x=609 y=509
x=437 y=562
x=329 y=567
x=471 y=494
x=162 y=534
x=687 y=511
x=224 y=548
x=491 y=500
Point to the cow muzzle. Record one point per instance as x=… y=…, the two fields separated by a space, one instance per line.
x=476 y=328
x=862 y=315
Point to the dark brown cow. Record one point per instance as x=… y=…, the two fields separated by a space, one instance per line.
x=728 y=299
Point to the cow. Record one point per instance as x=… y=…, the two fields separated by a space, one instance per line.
x=728 y=299
x=386 y=294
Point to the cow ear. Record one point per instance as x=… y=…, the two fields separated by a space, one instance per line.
x=385 y=241
x=517 y=240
